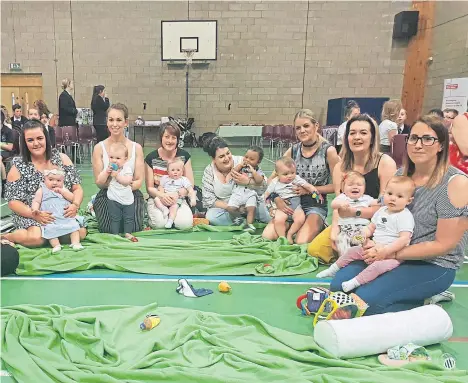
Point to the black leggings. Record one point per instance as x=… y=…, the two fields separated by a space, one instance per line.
x=10 y=259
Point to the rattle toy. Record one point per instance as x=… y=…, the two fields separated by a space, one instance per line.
x=114 y=166
x=317 y=197
x=150 y=322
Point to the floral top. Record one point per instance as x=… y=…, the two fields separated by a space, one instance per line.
x=25 y=188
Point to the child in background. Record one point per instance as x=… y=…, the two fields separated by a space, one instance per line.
x=172 y=183
x=345 y=230
x=53 y=197
x=244 y=196
x=121 y=200
x=283 y=185
x=391 y=227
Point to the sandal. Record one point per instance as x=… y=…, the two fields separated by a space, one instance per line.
x=400 y=355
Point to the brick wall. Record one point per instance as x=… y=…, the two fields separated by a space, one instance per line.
x=273 y=57
x=449 y=50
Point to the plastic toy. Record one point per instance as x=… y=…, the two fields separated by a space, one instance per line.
x=310 y=302
x=114 y=166
x=317 y=197
x=339 y=305
x=150 y=322
x=224 y=287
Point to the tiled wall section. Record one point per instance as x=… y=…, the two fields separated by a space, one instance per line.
x=273 y=57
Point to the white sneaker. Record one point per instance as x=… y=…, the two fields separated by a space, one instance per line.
x=56 y=249
x=445 y=296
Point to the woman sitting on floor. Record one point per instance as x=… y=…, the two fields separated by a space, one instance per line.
x=156 y=167
x=315 y=160
x=24 y=179
x=360 y=153
x=441 y=217
x=117 y=121
x=219 y=180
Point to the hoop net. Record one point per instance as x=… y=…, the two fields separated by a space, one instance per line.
x=188 y=53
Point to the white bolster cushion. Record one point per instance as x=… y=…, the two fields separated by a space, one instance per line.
x=375 y=334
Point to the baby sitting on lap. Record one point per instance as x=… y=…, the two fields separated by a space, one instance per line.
x=391 y=227
x=171 y=184
x=346 y=230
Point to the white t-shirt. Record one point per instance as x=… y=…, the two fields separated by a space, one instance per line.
x=390 y=225
x=285 y=191
x=364 y=201
x=341 y=133
x=171 y=185
x=385 y=127
x=118 y=192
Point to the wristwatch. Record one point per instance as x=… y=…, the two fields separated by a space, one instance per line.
x=358 y=212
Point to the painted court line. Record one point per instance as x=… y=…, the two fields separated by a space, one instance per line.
x=176 y=278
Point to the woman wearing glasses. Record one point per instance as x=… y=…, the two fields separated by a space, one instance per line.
x=441 y=219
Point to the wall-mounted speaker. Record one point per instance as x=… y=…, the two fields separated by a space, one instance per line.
x=406 y=24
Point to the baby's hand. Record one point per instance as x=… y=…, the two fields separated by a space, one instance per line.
x=109 y=169
x=344 y=205
x=114 y=174
x=57 y=190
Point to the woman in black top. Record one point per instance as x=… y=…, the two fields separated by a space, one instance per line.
x=99 y=104
x=360 y=153
x=67 y=107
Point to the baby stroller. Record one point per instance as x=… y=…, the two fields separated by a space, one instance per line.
x=187 y=137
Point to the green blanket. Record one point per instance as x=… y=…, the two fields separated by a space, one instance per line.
x=242 y=255
x=105 y=345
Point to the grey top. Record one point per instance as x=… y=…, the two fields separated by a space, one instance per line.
x=431 y=204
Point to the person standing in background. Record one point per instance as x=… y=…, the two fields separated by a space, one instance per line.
x=46 y=115
x=388 y=128
x=67 y=107
x=18 y=120
x=402 y=127
x=99 y=104
x=352 y=110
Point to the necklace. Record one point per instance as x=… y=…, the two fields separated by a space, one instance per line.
x=309 y=145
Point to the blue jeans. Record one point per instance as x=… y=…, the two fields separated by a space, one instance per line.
x=221 y=217
x=403 y=288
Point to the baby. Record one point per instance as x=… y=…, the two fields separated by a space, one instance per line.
x=171 y=184
x=391 y=227
x=242 y=195
x=53 y=197
x=121 y=203
x=347 y=230
x=283 y=185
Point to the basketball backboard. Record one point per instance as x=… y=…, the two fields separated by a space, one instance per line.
x=178 y=36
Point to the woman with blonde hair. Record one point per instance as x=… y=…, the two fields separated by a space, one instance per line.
x=360 y=153
x=388 y=128
x=315 y=159
x=67 y=107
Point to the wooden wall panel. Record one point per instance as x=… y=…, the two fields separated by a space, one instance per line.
x=417 y=54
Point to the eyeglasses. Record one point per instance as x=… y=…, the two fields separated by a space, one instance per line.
x=425 y=140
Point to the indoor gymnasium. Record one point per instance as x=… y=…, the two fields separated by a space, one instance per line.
x=227 y=191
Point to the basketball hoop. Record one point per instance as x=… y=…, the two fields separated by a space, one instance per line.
x=188 y=53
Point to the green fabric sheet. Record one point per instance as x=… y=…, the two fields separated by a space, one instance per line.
x=242 y=255
x=105 y=345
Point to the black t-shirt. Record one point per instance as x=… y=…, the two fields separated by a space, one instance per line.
x=159 y=165
x=7 y=138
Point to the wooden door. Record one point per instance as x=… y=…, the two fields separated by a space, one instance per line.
x=19 y=88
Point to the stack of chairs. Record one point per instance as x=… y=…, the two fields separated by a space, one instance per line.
x=278 y=138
